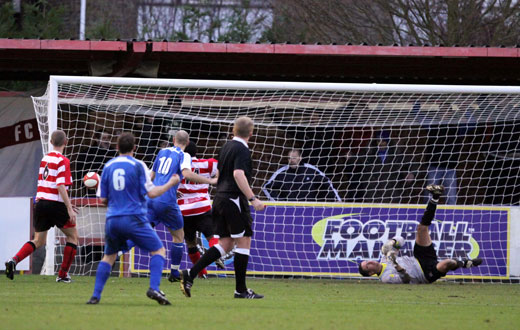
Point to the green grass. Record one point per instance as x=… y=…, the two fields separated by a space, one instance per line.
x=38 y=302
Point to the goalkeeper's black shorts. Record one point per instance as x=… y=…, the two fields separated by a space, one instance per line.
x=427 y=257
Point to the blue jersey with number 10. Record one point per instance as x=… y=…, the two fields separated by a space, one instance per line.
x=168 y=163
x=125 y=182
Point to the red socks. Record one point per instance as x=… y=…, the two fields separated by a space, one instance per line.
x=194 y=257
x=68 y=257
x=213 y=241
x=26 y=250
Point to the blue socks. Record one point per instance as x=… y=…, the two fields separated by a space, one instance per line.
x=176 y=253
x=102 y=275
x=156 y=266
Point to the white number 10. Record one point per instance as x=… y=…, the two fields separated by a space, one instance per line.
x=164 y=166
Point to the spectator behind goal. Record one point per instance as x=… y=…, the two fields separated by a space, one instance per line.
x=299 y=182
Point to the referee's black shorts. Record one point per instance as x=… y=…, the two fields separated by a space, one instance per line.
x=427 y=257
x=48 y=214
x=232 y=216
x=202 y=223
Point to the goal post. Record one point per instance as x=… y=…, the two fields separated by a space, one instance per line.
x=364 y=154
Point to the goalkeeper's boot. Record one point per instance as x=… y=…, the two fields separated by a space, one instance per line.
x=93 y=301
x=220 y=263
x=10 y=268
x=65 y=279
x=436 y=190
x=471 y=262
x=186 y=283
x=248 y=294
x=158 y=296
x=174 y=276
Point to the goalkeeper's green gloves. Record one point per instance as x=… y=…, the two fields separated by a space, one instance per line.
x=393 y=244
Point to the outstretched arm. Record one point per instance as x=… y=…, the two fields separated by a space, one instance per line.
x=194 y=177
x=405 y=277
x=157 y=191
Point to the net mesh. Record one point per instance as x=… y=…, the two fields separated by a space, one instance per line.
x=366 y=155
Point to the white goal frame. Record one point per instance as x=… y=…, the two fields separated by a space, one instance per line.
x=54 y=81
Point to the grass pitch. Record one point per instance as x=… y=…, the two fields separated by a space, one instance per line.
x=38 y=302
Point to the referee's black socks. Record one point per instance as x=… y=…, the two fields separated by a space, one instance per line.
x=429 y=213
x=209 y=257
x=241 y=261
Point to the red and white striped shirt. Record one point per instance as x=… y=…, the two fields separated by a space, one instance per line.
x=54 y=171
x=195 y=197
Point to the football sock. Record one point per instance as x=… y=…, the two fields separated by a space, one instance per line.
x=460 y=264
x=213 y=241
x=194 y=254
x=26 y=250
x=241 y=260
x=429 y=213
x=209 y=257
x=156 y=266
x=176 y=256
x=68 y=257
x=102 y=275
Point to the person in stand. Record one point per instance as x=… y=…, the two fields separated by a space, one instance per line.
x=299 y=181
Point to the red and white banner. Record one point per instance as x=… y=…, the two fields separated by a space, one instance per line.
x=20 y=147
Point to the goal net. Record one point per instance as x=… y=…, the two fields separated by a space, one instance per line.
x=344 y=166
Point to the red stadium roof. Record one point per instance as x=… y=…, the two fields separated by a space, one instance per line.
x=22 y=59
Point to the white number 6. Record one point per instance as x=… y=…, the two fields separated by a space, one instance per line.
x=119 y=179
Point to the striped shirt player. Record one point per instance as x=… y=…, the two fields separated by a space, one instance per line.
x=124 y=184
x=53 y=208
x=195 y=198
x=424 y=266
x=54 y=171
x=195 y=204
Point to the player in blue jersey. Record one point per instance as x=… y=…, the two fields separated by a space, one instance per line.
x=164 y=209
x=124 y=183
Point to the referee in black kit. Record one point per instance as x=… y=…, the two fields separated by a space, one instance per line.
x=231 y=213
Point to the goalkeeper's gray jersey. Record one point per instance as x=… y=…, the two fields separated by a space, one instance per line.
x=410 y=264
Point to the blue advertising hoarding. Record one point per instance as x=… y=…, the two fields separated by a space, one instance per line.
x=330 y=239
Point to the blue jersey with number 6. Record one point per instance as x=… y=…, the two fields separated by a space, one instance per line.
x=125 y=182
x=167 y=163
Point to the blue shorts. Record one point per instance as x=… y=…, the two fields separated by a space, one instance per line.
x=119 y=229
x=168 y=214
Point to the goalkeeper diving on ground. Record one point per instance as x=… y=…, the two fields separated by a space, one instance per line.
x=424 y=266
